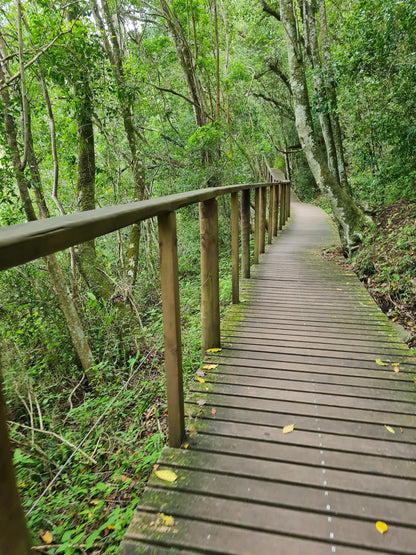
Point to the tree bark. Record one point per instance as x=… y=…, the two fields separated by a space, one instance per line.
x=351 y=221
x=56 y=275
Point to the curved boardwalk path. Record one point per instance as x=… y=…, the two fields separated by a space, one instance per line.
x=301 y=350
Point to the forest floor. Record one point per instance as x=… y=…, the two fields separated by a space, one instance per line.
x=386 y=264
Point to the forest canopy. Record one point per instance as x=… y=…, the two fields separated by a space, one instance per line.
x=107 y=102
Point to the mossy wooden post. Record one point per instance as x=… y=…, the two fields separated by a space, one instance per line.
x=282 y=206
x=14 y=539
x=245 y=233
x=275 y=208
x=235 y=249
x=270 y=225
x=256 y=225
x=210 y=298
x=288 y=200
x=263 y=212
x=171 y=326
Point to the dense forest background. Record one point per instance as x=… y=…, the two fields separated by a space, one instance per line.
x=106 y=102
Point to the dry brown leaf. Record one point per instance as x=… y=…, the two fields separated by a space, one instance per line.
x=396 y=369
x=381 y=527
x=47 y=538
x=288 y=429
x=124 y=478
x=390 y=429
x=201 y=402
x=213 y=411
x=210 y=366
x=192 y=430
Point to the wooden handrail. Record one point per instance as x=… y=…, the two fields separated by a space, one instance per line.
x=25 y=242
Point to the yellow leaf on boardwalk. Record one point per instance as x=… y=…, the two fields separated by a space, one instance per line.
x=380 y=362
x=167 y=520
x=210 y=366
x=166 y=475
x=214 y=350
x=289 y=428
x=396 y=369
x=47 y=538
x=381 y=526
x=389 y=429
x=201 y=380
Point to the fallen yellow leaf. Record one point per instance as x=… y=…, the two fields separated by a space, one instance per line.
x=210 y=366
x=214 y=350
x=389 y=429
x=111 y=527
x=289 y=428
x=381 y=526
x=186 y=446
x=167 y=520
x=380 y=362
x=166 y=475
x=47 y=538
x=201 y=380
x=396 y=369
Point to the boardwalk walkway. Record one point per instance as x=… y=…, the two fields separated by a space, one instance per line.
x=301 y=350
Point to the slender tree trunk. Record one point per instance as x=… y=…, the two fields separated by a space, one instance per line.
x=350 y=219
x=56 y=275
x=312 y=48
x=332 y=96
x=114 y=54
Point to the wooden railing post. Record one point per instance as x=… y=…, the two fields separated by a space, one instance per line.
x=288 y=201
x=282 y=206
x=256 y=225
x=210 y=297
x=14 y=539
x=235 y=249
x=275 y=209
x=263 y=211
x=171 y=326
x=270 y=225
x=245 y=233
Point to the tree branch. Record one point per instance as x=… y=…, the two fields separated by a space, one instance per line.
x=286 y=112
x=269 y=10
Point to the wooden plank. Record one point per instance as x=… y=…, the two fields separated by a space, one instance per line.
x=208 y=537
x=389 y=487
x=279 y=520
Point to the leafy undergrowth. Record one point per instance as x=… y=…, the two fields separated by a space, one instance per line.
x=386 y=264
x=83 y=451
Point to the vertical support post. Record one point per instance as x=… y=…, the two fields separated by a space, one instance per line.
x=263 y=210
x=275 y=208
x=235 y=249
x=256 y=225
x=14 y=539
x=210 y=290
x=281 y=207
x=270 y=225
x=245 y=233
x=171 y=326
x=288 y=200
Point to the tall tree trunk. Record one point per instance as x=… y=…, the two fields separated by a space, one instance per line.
x=351 y=221
x=56 y=275
x=332 y=96
x=312 y=49
x=114 y=54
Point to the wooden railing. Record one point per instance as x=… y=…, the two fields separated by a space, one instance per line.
x=26 y=242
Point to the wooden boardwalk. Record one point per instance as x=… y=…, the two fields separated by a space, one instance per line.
x=301 y=350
